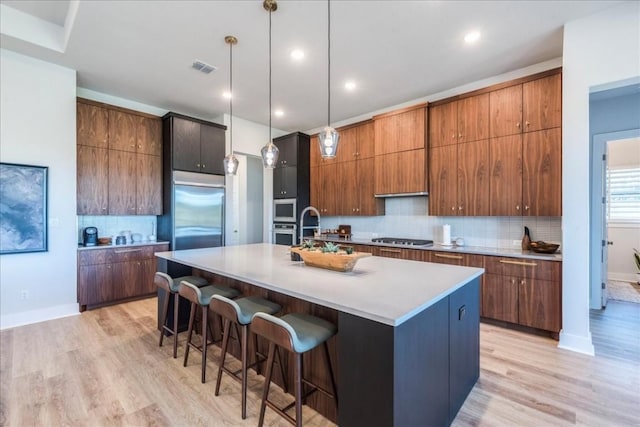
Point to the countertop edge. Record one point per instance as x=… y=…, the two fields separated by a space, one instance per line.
x=89 y=248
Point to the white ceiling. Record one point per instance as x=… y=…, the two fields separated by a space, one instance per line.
x=396 y=51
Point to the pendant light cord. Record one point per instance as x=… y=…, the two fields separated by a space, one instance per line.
x=269 y=76
x=231 y=97
x=329 y=63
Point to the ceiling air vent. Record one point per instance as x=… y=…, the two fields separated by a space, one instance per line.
x=203 y=67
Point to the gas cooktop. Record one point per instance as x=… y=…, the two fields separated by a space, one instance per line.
x=402 y=242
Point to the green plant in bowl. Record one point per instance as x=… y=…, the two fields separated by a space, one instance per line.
x=348 y=250
x=331 y=248
x=308 y=244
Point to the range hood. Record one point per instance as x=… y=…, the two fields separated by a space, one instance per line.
x=418 y=194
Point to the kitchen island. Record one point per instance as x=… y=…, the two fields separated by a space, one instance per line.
x=408 y=341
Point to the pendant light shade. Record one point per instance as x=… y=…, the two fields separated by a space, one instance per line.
x=230 y=161
x=328 y=139
x=270 y=152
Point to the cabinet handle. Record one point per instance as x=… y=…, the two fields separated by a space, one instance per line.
x=124 y=251
x=459 y=208
x=460 y=136
x=518 y=125
x=523 y=282
x=353 y=209
x=393 y=251
x=204 y=166
x=453 y=136
x=517 y=207
x=357 y=209
x=526 y=207
x=104 y=209
x=197 y=165
x=139 y=145
x=453 y=208
x=513 y=281
x=526 y=264
x=527 y=124
x=447 y=256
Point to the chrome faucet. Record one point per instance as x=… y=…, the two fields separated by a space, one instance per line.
x=302 y=228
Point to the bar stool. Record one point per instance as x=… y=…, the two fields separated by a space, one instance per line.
x=240 y=312
x=201 y=297
x=298 y=333
x=171 y=286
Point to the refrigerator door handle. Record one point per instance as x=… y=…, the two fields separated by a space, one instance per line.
x=197 y=184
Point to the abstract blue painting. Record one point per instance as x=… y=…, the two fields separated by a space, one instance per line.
x=23 y=208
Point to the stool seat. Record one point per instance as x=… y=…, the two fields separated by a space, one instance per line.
x=205 y=293
x=307 y=332
x=196 y=280
x=245 y=308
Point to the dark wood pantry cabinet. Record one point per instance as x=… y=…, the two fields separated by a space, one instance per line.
x=119 y=168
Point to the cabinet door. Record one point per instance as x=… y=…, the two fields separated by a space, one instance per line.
x=122 y=131
x=348 y=145
x=212 y=147
x=288 y=150
x=316 y=195
x=473 y=178
x=443 y=125
x=366 y=141
x=367 y=204
x=122 y=183
x=542 y=173
x=400 y=131
x=349 y=200
x=314 y=151
x=327 y=188
x=443 y=194
x=285 y=182
x=542 y=103
x=149 y=135
x=148 y=272
x=500 y=297
x=95 y=284
x=388 y=252
x=149 y=185
x=92 y=125
x=505 y=111
x=473 y=118
x=186 y=145
x=92 y=180
x=506 y=175
x=125 y=279
x=402 y=172
x=539 y=304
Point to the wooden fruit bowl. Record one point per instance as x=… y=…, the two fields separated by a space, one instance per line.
x=340 y=261
x=543 y=247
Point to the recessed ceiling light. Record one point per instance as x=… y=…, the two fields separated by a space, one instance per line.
x=350 y=85
x=278 y=113
x=297 y=54
x=226 y=95
x=471 y=37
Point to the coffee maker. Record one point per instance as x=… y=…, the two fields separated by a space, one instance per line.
x=90 y=236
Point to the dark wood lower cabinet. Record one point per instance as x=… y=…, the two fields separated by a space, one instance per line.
x=110 y=275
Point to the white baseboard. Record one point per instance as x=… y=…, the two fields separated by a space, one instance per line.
x=577 y=343
x=623 y=277
x=35 y=316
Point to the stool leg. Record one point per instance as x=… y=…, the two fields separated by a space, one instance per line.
x=298 y=388
x=205 y=338
x=244 y=355
x=225 y=345
x=331 y=377
x=192 y=318
x=285 y=385
x=176 y=302
x=256 y=355
x=165 y=310
x=267 y=382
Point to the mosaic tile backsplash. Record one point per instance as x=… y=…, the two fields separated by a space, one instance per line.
x=112 y=225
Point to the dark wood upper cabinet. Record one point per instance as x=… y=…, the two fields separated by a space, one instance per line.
x=400 y=130
x=443 y=181
x=122 y=131
x=473 y=118
x=92 y=125
x=506 y=176
x=542 y=103
x=285 y=182
x=149 y=136
x=473 y=178
x=505 y=107
x=92 y=180
x=193 y=145
x=148 y=185
x=542 y=173
x=443 y=124
x=122 y=183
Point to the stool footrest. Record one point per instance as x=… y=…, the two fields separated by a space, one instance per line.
x=281 y=412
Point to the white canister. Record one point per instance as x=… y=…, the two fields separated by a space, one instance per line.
x=446 y=235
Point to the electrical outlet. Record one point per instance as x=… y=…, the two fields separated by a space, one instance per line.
x=516 y=242
x=24 y=294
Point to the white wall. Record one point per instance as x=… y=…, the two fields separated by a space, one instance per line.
x=38 y=116
x=598 y=50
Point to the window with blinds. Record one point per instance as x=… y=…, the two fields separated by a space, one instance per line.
x=623 y=194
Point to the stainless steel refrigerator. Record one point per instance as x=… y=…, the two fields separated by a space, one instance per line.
x=195 y=215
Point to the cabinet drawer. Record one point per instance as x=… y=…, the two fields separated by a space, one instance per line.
x=131 y=254
x=529 y=268
x=449 y=258
x=93 y=256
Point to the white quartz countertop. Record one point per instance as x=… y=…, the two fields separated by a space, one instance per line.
x=384 y=290
x=477 y=250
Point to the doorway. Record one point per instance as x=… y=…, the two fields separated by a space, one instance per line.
x=614 y=118
x=246 y=207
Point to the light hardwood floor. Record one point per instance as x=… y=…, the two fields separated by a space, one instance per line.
x=104 y=367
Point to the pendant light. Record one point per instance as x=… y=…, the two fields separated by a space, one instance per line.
x=270 y=152
x=328 y=139
x=230 y=160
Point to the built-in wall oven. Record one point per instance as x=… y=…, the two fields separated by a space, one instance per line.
x=285 y=234
x=285 y=210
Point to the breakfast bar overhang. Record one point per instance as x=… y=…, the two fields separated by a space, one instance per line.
x=408 y=331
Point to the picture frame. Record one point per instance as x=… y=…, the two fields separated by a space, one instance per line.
x=23 y=208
